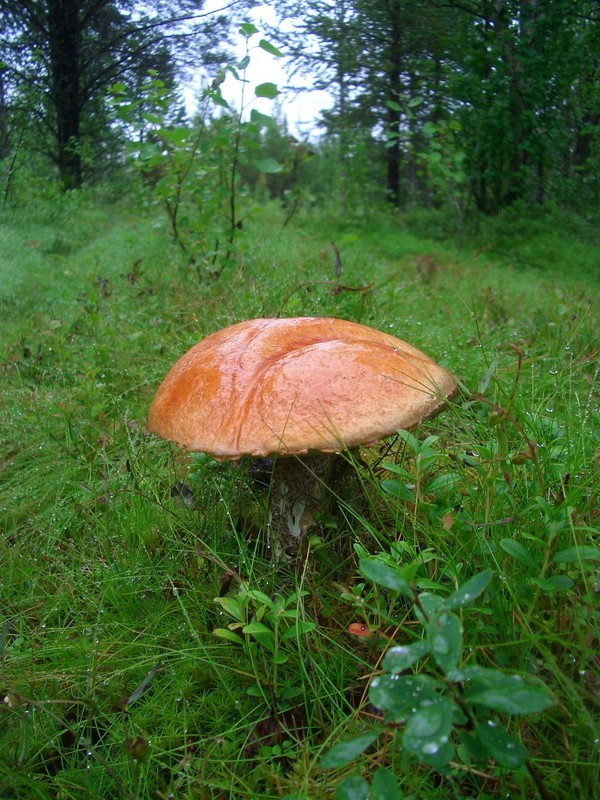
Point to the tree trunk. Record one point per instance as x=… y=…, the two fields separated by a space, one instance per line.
x=64 y=40
x=4 y=139
x=394 y=86
x=343 y=135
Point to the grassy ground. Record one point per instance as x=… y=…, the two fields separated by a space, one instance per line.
x=114 y=545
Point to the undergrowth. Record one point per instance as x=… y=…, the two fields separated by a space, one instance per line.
x=121 y=556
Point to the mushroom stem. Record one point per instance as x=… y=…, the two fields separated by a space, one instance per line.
x=299 y=489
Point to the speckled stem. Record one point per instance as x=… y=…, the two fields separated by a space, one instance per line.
x=299 y=487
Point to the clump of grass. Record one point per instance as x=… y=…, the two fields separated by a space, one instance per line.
x=115 y=546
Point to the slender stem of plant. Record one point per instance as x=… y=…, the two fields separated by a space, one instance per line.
x=530 y=444
x=537 y=779
x=419 y=605
x=513 y=392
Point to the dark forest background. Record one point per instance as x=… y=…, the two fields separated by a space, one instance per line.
x=474 y=105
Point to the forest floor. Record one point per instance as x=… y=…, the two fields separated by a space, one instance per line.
x=121 y=555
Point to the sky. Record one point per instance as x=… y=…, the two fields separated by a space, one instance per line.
x=301 y=109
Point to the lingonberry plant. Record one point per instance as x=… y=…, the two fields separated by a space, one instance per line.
x=432 y=698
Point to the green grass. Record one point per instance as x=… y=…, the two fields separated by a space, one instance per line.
x=108 y=577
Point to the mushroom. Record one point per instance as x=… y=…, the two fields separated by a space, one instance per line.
x=296 y=390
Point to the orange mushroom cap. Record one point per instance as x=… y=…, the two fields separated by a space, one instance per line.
x=288 y=386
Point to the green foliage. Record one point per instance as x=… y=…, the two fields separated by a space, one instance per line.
x=274 y=625
x=443 y=161
x=451 y=701
x=194 y=171
x=462 y=103
x=57 y=111
x=384 y=786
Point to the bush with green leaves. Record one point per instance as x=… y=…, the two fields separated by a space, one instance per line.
x=194 y=170
x=436 y=703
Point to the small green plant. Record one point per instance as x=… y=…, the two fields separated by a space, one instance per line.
x=194 y=170
x=443 y=162
x=427 y=482
x=436 y=703
x=268 y=629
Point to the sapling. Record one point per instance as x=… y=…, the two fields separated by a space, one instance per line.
x=195 y=168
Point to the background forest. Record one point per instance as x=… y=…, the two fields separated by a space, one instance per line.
x=478 y=105
x=437 y=636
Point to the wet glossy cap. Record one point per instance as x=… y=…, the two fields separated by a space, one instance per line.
x=292 y=385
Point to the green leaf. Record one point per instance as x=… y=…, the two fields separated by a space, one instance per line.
x=219 y=100
x=261 y=598
x=179 y=136
x=408 y=438
x=485 y=381
x=398 y=695
x=475 y=749
x=556 y=583
x=301 y=628
x=472 y=672
x=441 y=758
x=223 y=633
x=431 y=605
x=259 y=118
x=429 y=728
x=392 y=577
x=268 y=90
x=399 y=658
x=398 y=490
x=393 y=105
x=263 y=635
x=352 y=787
x=233 y=607
x=268 y=165
x=243 y=64
x=500 y=745
x=270 y=48
x=444 y=636
x=516 y=550
x=397 y=469
x=219 y=79
x=469 y=591
x=572 y=555
x=414 y=102
x=292 y=692
x=510 y=694
x=442 y=484
x=384 y=785
x=149 y=150
x=247 y=29
x=345 y=752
